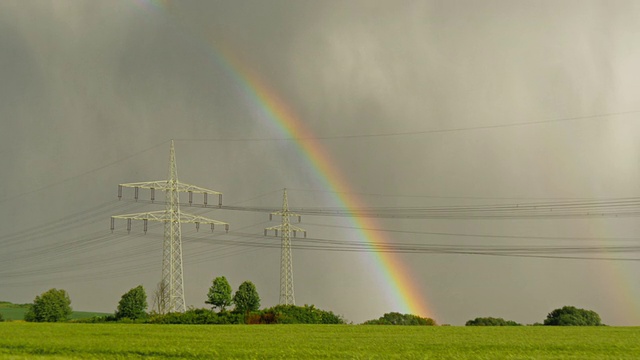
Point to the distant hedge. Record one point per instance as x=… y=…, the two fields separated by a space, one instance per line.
x=280 y=314
x=197 y=316
x=395 y=318
x=491 y=321
x=291 y=314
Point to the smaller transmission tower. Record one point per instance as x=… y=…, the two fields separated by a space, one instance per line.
x=172 y=217
x=286 y=264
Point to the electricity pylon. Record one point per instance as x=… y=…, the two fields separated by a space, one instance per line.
x=286 y=264
x=172 y=271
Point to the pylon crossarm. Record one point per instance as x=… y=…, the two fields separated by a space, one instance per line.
x=182 y=187
x=153 y=216
x=177 y=187
x=165 y=185
x=194 y=219
x=164 y=216
x=280 y=227
x=288 y=213
x=158 y=185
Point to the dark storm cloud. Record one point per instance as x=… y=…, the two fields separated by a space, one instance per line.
x=88 y=83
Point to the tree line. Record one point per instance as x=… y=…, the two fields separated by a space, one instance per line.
x=54 y=305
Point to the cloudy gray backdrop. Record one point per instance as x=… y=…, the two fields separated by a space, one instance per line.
x=91 y=92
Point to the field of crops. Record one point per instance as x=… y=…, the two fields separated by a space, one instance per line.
x=19 y=340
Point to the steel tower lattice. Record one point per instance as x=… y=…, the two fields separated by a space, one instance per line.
x=287 y=296
x=172 y=217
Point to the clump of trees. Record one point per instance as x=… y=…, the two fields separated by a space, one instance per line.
x=491 y=321
x=246 y=310
x=395 y=318
x=572 y=316
x=246 y=300
x=1 y=317
x=132 y=305
x=54 y=305
x=51 y=306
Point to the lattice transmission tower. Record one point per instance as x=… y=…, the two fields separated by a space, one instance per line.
x=286 y=262
x=172 y=217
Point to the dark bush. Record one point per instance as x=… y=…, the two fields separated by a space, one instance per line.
x=491 y=321
x=291 y=314
x=197 y=316
x=95 y=319
x=572 y=316
x=394 y=318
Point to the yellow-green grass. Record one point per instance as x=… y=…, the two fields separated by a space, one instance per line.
x=19 y=340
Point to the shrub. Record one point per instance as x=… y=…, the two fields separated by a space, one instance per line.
x=197 y=316
x=95 y=319
x=291 y=314
x=572 y=316
x=491 y=321
x=394 y=318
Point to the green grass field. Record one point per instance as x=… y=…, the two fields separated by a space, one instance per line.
x=17 y=313
x=12 y=311
x=20 y=340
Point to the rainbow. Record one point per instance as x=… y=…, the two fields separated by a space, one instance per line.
x=402 y=290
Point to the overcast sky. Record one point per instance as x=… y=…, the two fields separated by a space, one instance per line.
x=92 y=92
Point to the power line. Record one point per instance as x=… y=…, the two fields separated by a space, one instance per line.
x=80 y=175
x=419 y=132
x=409 y=248
x=621 y=207
x=490 y=236
x=439 y=196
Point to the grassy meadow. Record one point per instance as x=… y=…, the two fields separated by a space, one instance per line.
x=20 y=340
x=16 y=312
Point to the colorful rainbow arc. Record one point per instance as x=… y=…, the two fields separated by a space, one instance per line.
x=402 y=289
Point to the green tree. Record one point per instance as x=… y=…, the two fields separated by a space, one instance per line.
x=491 y=321
x=51 y=306
x=572 y=316
x=219 y=293
x=246 y=298
x=133 y=304
x=1 y=318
